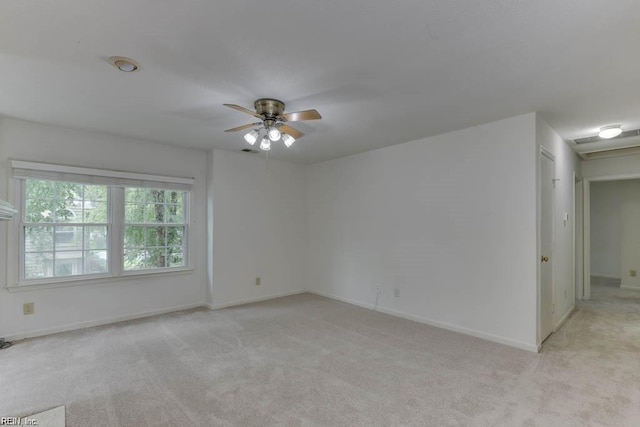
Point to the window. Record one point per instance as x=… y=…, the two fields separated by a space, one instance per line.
x=65 y=229
x=75 y=225
x=154 y=228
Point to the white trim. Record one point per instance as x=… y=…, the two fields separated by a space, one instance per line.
x=84 y=281
x=100 y=322
x=632 y=288
x=441 y=325
x=606 y=276
x=252 y=300
x=46 y=167
x=586 y=239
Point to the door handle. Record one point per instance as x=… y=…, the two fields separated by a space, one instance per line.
x=544 y=259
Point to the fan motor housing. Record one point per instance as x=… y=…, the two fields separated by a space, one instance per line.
x=269 y=107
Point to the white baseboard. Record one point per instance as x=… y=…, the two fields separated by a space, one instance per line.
x=252 y=300
x=633 y=288
x=347 y=300
x=100 y=322
x=605 y=276
x=565 y=317
x=442 y=325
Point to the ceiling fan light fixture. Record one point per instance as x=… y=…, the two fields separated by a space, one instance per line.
x=288 y=140
x=265 y=144
x=252 y=136
x=274 y=134
x=611 y=131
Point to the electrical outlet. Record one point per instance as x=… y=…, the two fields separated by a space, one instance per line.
x=28 y=308
x=396 y=292
x=257 y=281
x=633 y=273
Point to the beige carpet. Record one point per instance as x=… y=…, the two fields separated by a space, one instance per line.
x=307 y=360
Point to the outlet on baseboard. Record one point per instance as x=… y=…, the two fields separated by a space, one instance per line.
x=28 y=308
x=257 y=281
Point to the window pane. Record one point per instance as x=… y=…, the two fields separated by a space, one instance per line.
x=155 y=196
x=133 y=213
x=68 y=238
x=38 y=239
x=95 y=262
x=95 y=238
x=154 y=214
x=155 y=236
x=175 y=257
x=39 y=210
x=134 y=259
x=40 y=189
x=156 y=258
x=95 y=212
x=65 y=214
x=38 y=265
x=95 y=193
x=174 y=214
x=174 y=197
x=174 y=236
x=135 y=195
x=134 y=237
x=68 y=263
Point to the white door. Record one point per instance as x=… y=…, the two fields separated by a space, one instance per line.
x=547 y=174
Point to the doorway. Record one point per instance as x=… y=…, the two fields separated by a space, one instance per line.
x=613 y=235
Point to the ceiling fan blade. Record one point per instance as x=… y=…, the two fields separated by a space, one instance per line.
x=302 y=115
x=244 y=110
x=250 y=125
x=290 y=131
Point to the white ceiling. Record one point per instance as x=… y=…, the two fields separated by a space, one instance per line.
x=381 y=72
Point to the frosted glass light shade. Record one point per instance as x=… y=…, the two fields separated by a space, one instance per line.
x=251 y=137
x=265 y=144
x=274 y=134
x=610 y=131
x=288 y=140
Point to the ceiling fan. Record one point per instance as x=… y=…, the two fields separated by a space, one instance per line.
x=273 y=120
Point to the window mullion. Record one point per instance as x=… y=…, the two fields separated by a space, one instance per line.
x=116 y=232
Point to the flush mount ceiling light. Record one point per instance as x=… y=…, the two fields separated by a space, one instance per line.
x=611 y=131
x=273 y=122
x=127 y=65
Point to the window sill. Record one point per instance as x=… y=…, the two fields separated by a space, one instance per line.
x=98 y=280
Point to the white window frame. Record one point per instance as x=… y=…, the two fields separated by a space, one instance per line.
x=21 y=244
x=116 y=182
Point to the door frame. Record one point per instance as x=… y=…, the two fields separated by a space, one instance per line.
x=586 y=226
x=548 y=154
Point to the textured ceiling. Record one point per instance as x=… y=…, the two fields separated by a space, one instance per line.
x=380 y=72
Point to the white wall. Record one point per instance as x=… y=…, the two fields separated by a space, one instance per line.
x=630 y=234
x=606 y=198
x=449 y=220
x=567 y=166
x=259 y=227
x=612 y=166
x=77 y=306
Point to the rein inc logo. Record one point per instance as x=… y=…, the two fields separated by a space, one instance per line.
x=18 y=421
